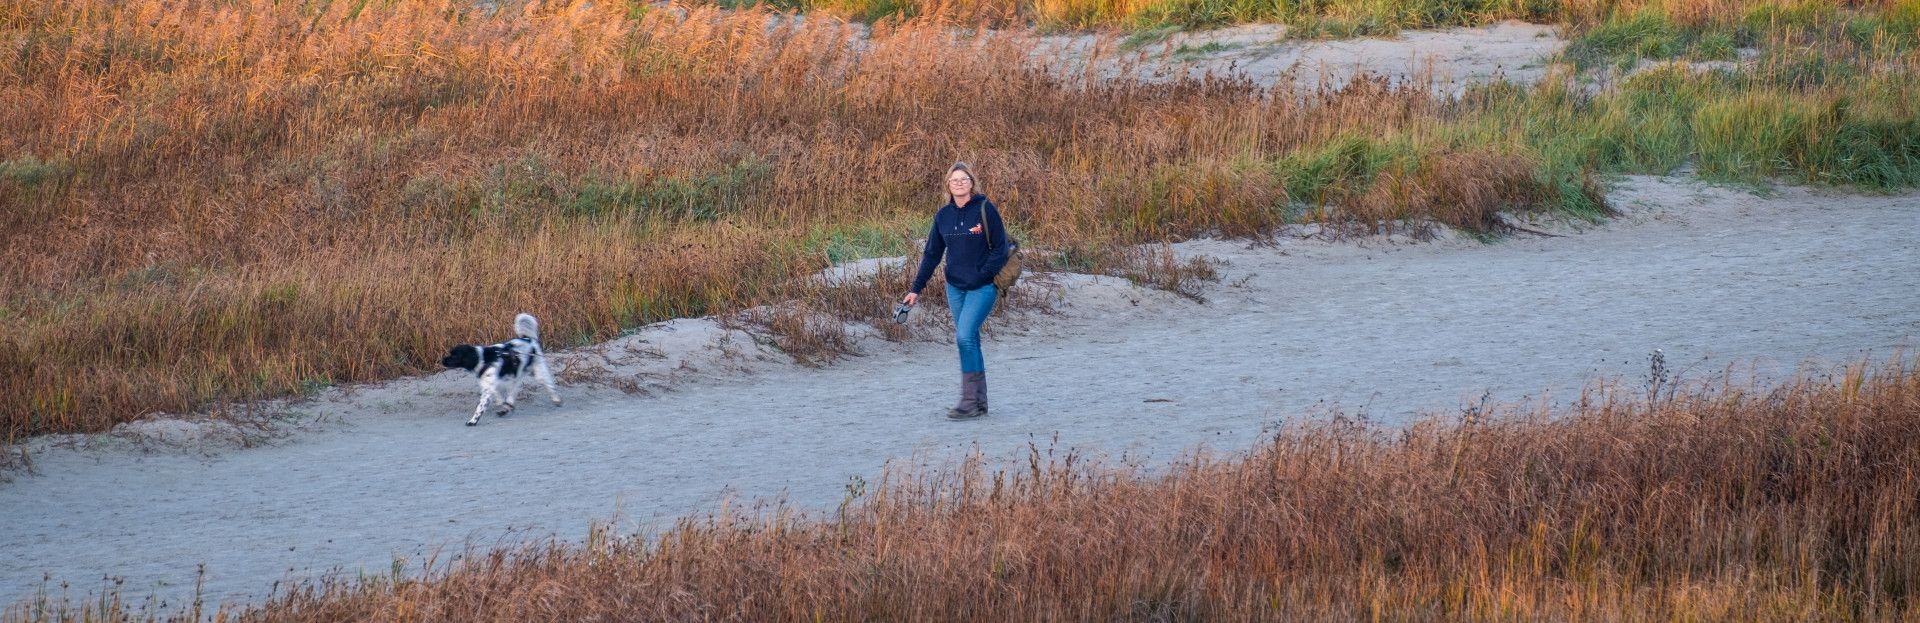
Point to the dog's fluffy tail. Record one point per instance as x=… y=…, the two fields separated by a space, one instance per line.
x=526 y=326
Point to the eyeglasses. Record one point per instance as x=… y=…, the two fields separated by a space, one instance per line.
x=961 y=180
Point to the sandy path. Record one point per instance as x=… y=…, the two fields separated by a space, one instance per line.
x=1712 y=276
x=1453 y=58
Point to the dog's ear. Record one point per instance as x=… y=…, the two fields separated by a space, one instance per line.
x=461 y=356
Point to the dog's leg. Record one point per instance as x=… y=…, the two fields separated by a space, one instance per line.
x=489 y=386
x=546 y=377
x=512 y=393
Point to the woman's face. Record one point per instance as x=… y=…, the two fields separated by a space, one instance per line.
x=959 y=184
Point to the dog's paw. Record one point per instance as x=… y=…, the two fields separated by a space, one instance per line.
x=473 y=422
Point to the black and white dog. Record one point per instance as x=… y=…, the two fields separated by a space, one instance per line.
x=500 y=366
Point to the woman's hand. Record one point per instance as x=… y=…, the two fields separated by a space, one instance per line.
x=911 y=298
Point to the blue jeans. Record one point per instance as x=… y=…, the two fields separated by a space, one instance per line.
x=970 y=308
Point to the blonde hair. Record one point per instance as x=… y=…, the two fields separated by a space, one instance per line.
x=964 y=168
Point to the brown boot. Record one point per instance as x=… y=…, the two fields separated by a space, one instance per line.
x=969 y=406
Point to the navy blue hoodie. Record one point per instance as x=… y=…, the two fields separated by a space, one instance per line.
x=972 y=259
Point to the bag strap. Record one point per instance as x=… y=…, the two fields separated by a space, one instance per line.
x=987 y=222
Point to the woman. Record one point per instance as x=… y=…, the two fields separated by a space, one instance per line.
x=969 y=232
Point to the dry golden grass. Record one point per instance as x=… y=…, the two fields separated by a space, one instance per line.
x=1793 y=503
x=214 y=201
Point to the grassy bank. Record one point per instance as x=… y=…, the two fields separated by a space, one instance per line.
x=213 y=202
